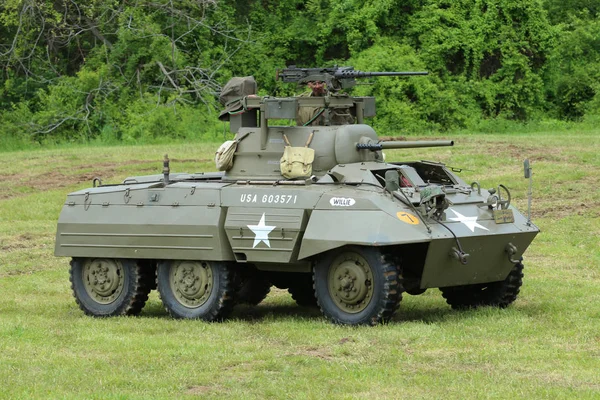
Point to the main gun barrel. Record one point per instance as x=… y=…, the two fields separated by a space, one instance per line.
x=403 y=145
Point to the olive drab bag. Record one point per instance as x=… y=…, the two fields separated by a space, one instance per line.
x=225 y=152
x=224 y=155
x=297 y=161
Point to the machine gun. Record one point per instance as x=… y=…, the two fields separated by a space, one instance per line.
x=336 y=78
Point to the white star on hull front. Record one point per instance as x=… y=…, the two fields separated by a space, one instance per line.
x=261 y=231
x=470 y=222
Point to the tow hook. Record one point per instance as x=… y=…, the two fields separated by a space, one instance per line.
x=511 y=250
x=459 y=255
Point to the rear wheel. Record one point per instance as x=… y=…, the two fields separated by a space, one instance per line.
x=105 y=287
x=196 y=289
x=496 y=294
x=356 y=286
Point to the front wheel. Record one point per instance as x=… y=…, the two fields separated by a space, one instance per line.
x=356 y=286
x=496 y=294
x=196 y=289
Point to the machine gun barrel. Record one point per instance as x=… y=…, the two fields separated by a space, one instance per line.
x=336 y=78
x=348 y=73
x=403 y=145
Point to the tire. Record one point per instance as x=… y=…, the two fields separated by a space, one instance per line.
x=252 y=290
x=356 y=286
x=105 y=287
x=148 y=269
x=495 y=294
x=303 y=292
x=196 y=289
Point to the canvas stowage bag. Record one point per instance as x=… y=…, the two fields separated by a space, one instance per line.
x=233 y=92
x=224 y=155
x=297 y=161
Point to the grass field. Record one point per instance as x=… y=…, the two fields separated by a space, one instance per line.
x=546 y=345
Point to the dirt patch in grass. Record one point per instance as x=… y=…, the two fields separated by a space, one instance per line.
x=518 y=151
x=199 y=390
x=346 y=340
x=244 y=366
x=569 y=198
x=20 y=242
x=559 y=380
x=19 y=272
x=21 y=184
x=563 y=210
x=537 y=154
x=514 y=151
x=315 y=352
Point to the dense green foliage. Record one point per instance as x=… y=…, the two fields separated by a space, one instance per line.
x=147 y=70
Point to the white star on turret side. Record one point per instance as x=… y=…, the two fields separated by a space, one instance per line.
x=261 y=231
x=470 y=222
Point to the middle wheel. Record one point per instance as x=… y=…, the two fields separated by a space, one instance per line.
x=356 y=286
x=252 y=289
x=196 y=289
x=302 y=291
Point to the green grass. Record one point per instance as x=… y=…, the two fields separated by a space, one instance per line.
x=546 y=345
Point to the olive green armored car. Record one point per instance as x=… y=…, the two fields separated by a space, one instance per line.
x=314 y=208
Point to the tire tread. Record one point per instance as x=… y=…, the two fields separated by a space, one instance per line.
x=496 y=294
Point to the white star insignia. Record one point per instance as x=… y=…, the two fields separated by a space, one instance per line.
x=261 y=231
x=470 y=222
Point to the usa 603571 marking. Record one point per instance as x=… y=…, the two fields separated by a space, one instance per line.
x=269 y=198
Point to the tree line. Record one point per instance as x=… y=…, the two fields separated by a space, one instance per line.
x=143 y=70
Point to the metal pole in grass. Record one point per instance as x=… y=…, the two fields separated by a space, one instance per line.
x=527 y=169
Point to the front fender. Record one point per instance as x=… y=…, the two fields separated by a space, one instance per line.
x=330 y=229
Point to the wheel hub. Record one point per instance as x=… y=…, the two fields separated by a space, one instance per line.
x=191 y=282
x=103 y=280
x=350 y=282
